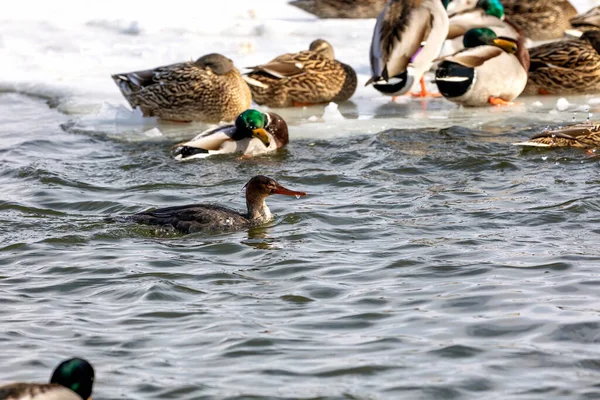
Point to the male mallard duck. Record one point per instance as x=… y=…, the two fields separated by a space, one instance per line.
x=253 y=133
x=341 y=8
x=72 y=380
x=397 y=58
x=540 y=19
x=586 y=136
x=210 y=90
x=490 y=70
x=304 y=78
x=566 y=66
x=469 y=14
x=588 y=21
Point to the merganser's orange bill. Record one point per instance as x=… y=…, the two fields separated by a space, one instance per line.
x=287 y=192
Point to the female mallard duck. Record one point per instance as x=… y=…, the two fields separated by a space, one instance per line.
x=341 y=8
x=490 y=70
x=540 y=19
x=304 y=78
x=469 y=14
x=586 y=136
x=253 y=133
x=72 y=380
x=397 y=58
x=566 y=66
x=588 y=21
x=209 y=90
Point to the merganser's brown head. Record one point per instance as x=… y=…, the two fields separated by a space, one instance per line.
x=262 y=186
x=257 y=190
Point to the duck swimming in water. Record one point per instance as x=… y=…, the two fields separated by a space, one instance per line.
x=253 y=133
x=72 y=380
x=208 y=217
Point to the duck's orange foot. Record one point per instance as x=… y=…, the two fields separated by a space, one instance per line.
x=302 y=104
x=497 y=101
x=543 y=91
x=591 y=152
x=425 y=94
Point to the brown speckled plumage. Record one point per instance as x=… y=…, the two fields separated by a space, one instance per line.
x=565 y=66
x=307 y=77
x=540 y=19
x=588 y=21
x=341 y=8
x=210 y=90
x=586 y=136
x=36 y=391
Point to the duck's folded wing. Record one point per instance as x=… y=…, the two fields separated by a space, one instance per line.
x=213 y=139
x=474 y=57
x=284 y=66
x=32 y=391
x=573 y=132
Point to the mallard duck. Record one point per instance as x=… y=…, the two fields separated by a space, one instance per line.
x=304 y=78
x=566 y=66
x=341 y=8
x=209 y=217
x=588 y=21
x=72 y=380
x=398 y=58
x=253 y=133
x=469 y=14
x=540 y=19
x=209 y=90
x=586 y=136
x=490 y=70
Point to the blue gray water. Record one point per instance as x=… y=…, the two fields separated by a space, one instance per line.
x=434 y=263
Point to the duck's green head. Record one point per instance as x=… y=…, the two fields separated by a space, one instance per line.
x=253 y=123
x=76 y=374
x=492 y=7
x=485 y=36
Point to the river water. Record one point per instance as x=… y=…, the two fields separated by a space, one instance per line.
x=431 y=259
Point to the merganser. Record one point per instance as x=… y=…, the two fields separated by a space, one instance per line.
x=72 y=380
x=208 y=217
x=253 y=133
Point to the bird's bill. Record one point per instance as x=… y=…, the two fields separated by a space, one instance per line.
x=506 y=45
x=261 y=134
x=281 y=190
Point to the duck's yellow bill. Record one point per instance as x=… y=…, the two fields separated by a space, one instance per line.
x=506 y=45
x=261 y=134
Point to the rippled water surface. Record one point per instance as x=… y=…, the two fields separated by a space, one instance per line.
x=431 y=259
x=425 y=263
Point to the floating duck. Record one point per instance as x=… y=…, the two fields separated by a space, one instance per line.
x=490 y=70
x=586 y=136
x=252 y=133
x=588 y=21
x=72 y=380
x=304 y=78
x=540 y=19
x=209 y=90
x=566 y=66
x=398 y=56
x=207 y=217
x=341 y=8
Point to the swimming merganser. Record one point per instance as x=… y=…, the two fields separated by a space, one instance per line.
x=208 y=217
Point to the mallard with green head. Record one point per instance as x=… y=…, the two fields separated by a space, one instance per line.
x=72 y=380
x=585 y=136
x=490 y=70
x=469 y=14
x=309 y=77
x=540 y=19
x=588 y=21
x=398 y=58
x=252 y=134
x=209 y=90
x=341 y=8
x=566 y=66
